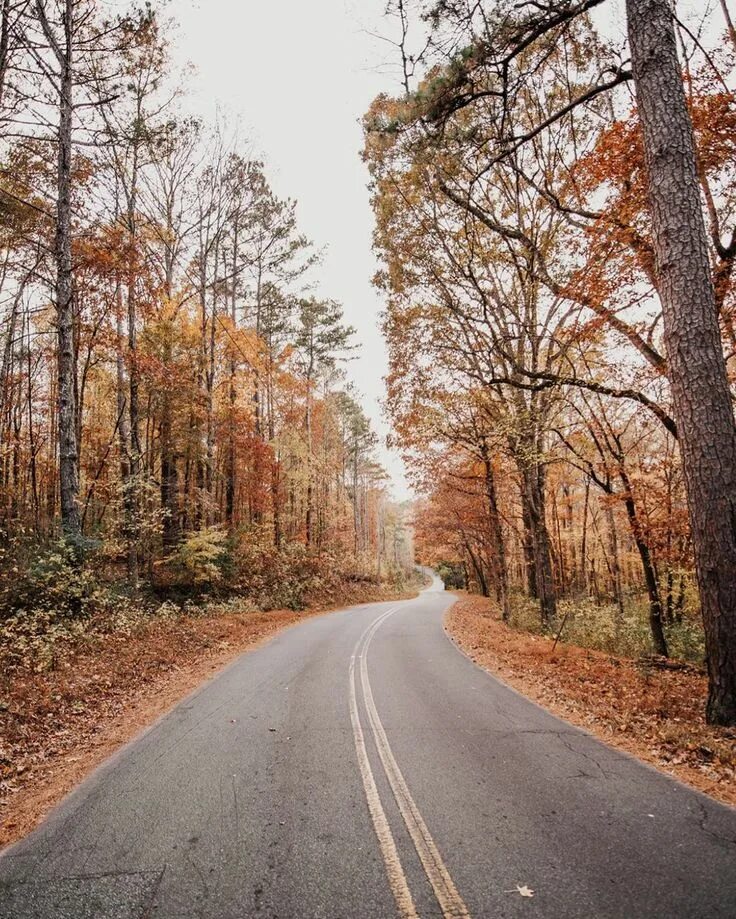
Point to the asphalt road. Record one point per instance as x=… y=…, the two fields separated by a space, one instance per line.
x=359 y=765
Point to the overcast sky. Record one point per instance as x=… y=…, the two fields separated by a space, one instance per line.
x=299 y=76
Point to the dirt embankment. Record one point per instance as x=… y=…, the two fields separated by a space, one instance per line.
x=56 y=726
x=654 y=713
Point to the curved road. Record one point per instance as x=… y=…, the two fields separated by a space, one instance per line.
x=359 y=765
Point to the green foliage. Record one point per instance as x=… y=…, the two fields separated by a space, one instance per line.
x=452 y=574
x=686 y=640
x=51 y=578
x=47 y=594
x=600 y=626
x=52 y=601
x=35 y=639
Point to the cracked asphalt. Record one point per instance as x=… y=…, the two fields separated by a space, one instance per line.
x=247 y=800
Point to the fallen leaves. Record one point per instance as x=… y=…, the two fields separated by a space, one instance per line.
x=522 y=890
x=57 y=725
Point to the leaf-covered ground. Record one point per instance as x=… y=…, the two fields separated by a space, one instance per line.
x=655 y=714
x=56 y=725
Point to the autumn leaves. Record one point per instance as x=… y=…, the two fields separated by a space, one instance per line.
x=557 y=365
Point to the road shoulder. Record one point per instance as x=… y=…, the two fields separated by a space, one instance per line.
x=59 y=725
x=655 y=715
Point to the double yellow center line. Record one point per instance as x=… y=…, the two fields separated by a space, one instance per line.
x=449 y=899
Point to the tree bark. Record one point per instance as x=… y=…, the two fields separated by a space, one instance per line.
x=169 y=488
x=4 y=45
x=697 y=370
x=615 y=564
x=497 y=538
x=310 y=486
x=650 y=575
x=129 y=515
x=527 y=547
x=533 y=499
x=68 y=443
x=134 y=424
x=230 y=486
x=477 y=567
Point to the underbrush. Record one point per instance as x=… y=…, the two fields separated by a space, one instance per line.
x=601 y=627
x=55 y=598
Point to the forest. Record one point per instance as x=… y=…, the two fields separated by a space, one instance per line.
x=390 y=439
x=554 y=207
x=176 y=421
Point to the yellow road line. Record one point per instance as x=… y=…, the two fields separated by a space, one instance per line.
x=450 y=901
x=394 y=870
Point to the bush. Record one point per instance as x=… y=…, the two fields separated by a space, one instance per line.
x=48 y=593
x=49 y=578
x=202 y=559
x=452 y=574
x=589 y=624
x=282 y=578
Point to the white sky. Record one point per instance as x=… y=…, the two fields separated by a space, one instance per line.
x=299 y=74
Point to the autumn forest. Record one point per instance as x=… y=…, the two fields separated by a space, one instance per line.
x=170 y=386
x=187 y=460
x=559 y=316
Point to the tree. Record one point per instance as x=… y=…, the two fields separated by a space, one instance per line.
x=321 y=340
x=60 y=37
x=502 y=50
x=177 y=389
x=129 y=138
x=700 y=387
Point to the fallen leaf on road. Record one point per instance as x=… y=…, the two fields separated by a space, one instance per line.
x=525 y=891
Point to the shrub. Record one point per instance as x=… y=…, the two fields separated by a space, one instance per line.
x=600 y=626
x=51 y=578
x=202 y=559
x=280 y=578
x=48 y=593
x=452 y=574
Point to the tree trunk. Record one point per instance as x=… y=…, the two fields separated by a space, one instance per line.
x=582 y=584
x=497 y=539
x=129 y=534
x=310 y=486
x=169 y=473
x=533 y=484
x=230 y=486
x=169 y=486
x=478 y=568
x=356 y=504
x=275 y=461
x=136 y=453
x=615 y=564
x=729 y=22
x=68 y=444
x=573 y=576
x=650 y=575
x=4 y=45
x=210 y=426
x=697 y=370
x=527 y=546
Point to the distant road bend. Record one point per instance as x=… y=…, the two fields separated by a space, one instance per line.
x=358 y=765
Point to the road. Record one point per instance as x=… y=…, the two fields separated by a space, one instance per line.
x=358 y=765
